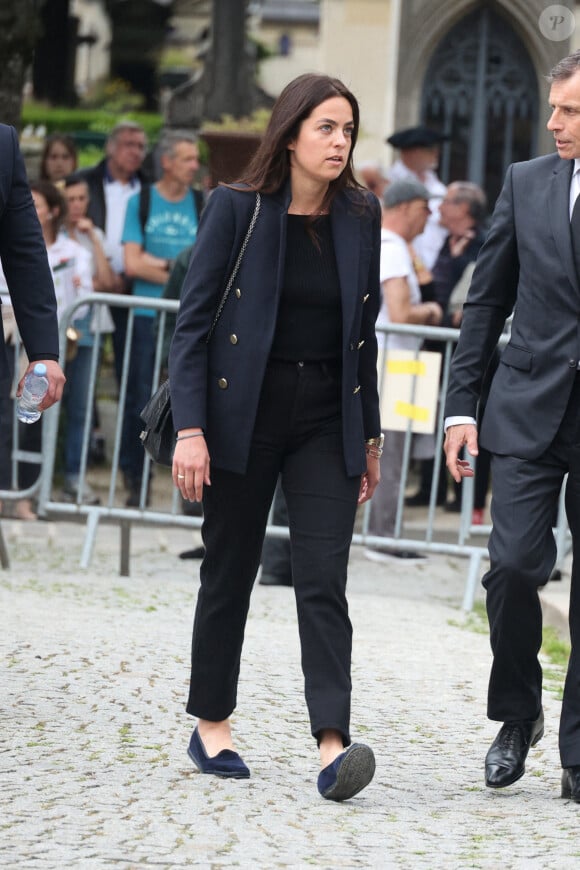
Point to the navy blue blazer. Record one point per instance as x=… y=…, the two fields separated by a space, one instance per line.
x=24 y=259
x=217 y=386
x=526 y=266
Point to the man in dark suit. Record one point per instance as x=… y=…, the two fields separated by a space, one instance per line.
x=529 y=264
x=25 y=265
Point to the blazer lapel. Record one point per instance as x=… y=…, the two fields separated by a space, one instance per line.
x=346 y=237
x=559 y=212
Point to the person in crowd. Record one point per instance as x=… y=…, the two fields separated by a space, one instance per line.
x=286 y=386
x=419 y=149
x=150 y=247
x=80 y=228
x=112 y=182
x=528 y=266
x=58 y=159
x=70 y=265
x=405 y=213
x=372 y=175
x=462 y=213
x=28 y=280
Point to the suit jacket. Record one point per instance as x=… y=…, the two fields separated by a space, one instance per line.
x=526 y=265
x=217 y=385
x=24 y=259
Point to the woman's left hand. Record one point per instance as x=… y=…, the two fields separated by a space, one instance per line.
x=369 y=480
x=191 y=466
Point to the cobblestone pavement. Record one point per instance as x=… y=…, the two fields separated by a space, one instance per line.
x=93 y=766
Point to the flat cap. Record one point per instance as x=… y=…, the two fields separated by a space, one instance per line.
x=416 y=137
x=405 y=190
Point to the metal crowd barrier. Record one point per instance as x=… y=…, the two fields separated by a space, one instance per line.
x=426 y=536
x=13 y=494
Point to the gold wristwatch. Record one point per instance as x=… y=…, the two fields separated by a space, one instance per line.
x=374 y=446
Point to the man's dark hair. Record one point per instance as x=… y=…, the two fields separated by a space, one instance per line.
x=75 y=178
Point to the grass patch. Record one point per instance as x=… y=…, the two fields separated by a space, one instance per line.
x=554 y=648
x=554 y=651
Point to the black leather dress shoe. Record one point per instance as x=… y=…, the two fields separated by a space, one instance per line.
x=571 y=783
x=505 y=762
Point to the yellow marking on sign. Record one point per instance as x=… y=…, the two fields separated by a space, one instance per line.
x=406 y=367
x=412 y=412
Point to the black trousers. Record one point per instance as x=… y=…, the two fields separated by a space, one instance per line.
x=522 y=554
x=298 y=435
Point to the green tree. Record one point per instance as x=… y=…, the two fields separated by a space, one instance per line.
x=19 y=29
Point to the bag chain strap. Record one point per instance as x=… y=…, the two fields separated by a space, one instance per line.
x=235 y=270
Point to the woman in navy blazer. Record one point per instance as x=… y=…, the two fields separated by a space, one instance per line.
x=286 y=386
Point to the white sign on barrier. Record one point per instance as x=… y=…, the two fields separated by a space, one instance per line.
x=410 y=389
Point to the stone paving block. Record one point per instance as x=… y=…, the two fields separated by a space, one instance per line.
x=93 y=766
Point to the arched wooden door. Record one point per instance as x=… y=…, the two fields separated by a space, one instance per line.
x=481 y=89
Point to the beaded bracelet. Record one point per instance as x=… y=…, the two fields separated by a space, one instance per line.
x=193 y=435
x=375 y=452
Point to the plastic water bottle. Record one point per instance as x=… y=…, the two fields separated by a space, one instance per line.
x=33 y=392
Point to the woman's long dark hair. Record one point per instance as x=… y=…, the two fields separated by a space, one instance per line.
x=270 y=166
x=69 y=145
x=54 y=199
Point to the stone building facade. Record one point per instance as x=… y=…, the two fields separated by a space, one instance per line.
x=473 y=68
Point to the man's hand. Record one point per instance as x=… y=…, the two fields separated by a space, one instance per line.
x=456 y=437
x=56 y=381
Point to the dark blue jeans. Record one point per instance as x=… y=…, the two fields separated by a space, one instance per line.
x=140 y=379
x=297 y=435
x=76 y=400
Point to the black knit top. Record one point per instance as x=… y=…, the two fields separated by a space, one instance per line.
x=309 y=325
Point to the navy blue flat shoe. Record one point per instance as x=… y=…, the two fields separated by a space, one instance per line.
x=348 y=774
x=226 y=763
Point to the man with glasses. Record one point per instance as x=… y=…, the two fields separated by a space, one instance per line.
x=111 y=183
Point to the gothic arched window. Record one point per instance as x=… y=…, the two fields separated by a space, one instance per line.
x=481 y=89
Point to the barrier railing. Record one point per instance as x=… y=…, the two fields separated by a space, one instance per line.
x=11 y=435
x=428 y=535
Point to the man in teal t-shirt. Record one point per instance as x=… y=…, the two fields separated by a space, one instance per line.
x=152 y=239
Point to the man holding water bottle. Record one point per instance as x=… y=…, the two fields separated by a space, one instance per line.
x=25 y=265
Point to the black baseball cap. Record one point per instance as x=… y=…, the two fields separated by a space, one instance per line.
x=416 y=137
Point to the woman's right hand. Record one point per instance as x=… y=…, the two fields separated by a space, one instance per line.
x=191 y=464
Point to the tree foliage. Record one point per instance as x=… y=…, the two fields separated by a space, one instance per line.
x=19 y=30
